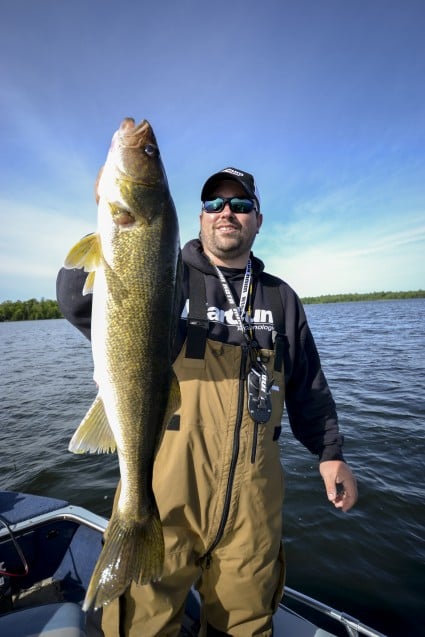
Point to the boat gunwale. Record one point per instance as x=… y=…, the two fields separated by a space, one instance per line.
x=350 y=623
x=69 y=513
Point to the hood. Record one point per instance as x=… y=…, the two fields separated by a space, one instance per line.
x=193 y=255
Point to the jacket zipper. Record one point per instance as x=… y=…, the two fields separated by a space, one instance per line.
x=206 y=558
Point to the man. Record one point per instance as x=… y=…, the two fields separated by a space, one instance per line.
x=243 y=349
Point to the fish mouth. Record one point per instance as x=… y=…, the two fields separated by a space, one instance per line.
x=138 y=157
x=141 y=127
x=138 y=136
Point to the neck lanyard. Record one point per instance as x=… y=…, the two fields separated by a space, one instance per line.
x=241 y=311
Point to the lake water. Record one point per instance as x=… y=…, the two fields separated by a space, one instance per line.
x=369 y=562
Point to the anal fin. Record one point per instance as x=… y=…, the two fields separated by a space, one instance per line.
x=94 y=435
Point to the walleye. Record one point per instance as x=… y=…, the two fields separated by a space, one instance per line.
x=134 y=272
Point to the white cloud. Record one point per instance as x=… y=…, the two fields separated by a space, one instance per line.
x=364 y=260
x=33 y=244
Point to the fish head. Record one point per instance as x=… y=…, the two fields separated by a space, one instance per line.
x=133 y=180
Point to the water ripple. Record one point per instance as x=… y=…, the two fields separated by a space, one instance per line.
x=370 y=562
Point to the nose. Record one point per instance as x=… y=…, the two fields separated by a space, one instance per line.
x=226 y=210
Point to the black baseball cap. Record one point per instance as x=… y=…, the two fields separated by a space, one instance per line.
x=246 y=180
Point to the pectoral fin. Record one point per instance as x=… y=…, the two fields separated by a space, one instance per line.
x=173 y=404
x=85 y=254
x=94 y=435
x=89 y=284
x=174 y=398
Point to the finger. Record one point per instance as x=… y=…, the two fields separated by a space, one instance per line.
x=331 y=489
x=347 y=501
x=346 y=497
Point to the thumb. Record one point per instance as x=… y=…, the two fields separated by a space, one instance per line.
x=331 y=488
x=329 y=473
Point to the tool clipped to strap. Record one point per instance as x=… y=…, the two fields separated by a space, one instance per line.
x=259 y=387
x=259 y=396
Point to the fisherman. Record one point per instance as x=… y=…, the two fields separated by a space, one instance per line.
x=243 y=350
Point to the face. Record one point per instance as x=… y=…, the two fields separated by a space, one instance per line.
x=227 y=236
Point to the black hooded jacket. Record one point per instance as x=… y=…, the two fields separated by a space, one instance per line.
x=309 y=403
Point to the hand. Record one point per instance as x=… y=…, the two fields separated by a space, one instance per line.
x=340 y=483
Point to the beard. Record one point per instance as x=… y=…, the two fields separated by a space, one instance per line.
x=227 y=246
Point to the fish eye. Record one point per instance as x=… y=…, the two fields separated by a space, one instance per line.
x=150 y=150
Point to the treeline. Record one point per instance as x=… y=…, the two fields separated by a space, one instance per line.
x=32 y=310
x=371 y=296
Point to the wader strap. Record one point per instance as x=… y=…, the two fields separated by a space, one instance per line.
x=276 y=306
x=197 y=321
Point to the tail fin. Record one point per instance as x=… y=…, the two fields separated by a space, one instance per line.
x=132 y=552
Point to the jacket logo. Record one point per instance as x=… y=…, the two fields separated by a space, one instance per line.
x=228 y=318
x=262 y=318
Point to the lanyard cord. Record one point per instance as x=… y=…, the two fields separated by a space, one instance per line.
x=245 y=303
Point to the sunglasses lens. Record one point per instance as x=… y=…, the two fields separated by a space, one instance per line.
x=241 y=205
x=236 y=204
x=214 y=205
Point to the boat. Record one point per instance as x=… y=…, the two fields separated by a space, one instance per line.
x=48 y=549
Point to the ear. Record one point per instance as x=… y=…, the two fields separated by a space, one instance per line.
x=259 y=221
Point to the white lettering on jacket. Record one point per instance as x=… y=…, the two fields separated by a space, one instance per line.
x=262 y=318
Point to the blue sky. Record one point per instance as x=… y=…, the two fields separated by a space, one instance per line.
x=322 y=100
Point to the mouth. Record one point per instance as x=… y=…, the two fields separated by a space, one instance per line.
x=227 y=229
x=138 y=136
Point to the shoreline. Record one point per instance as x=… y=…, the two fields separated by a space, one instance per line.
x=33 y=309
x=367 y=296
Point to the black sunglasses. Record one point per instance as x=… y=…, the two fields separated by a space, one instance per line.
x=236 y=204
